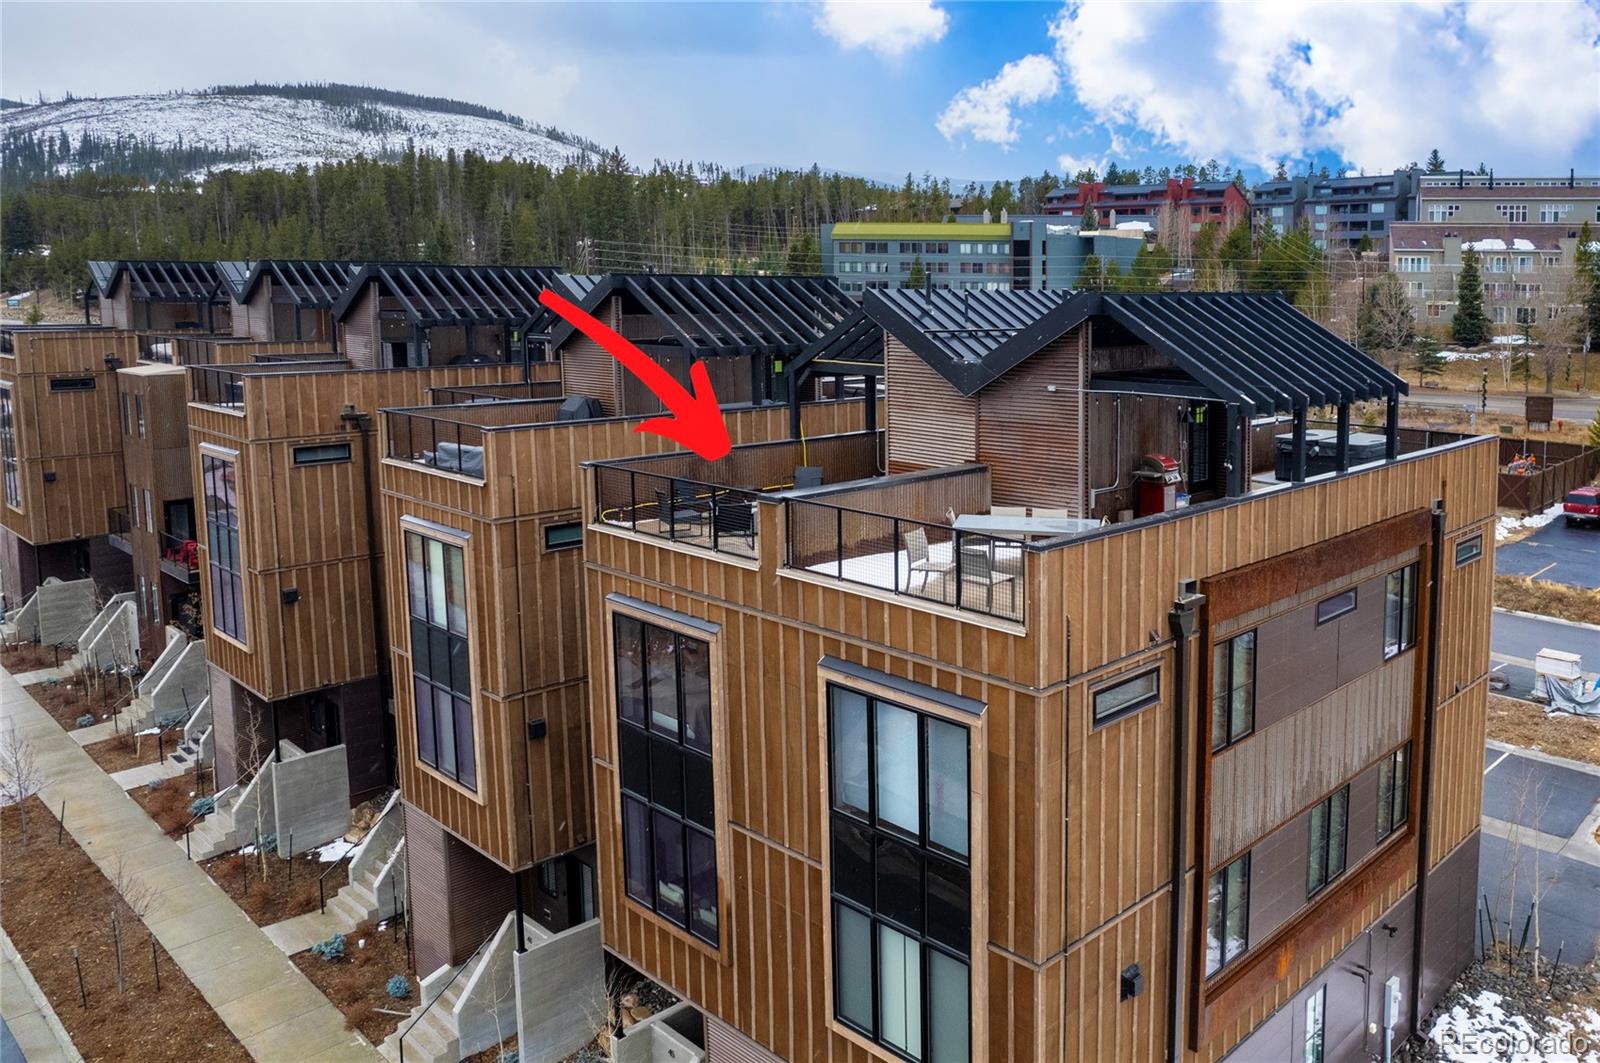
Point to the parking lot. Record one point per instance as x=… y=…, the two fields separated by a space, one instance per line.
x=1558 y=552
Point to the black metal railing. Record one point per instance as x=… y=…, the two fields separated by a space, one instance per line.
x=520 y=389
x=935 y=562
x=216 y=386
x=117 y=528
x=710 y=516
x=447 y=444
x=179 y=556
x=412 y=1025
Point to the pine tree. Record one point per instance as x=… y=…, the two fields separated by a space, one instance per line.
x=1091 y=220
x=1470 y=325
x=1586 y=289
x=1238 y=250
x=1282 y=172
x=1594 y=429
x=918 y=275
x=1091 y=274
x=805 y=256
x=1428 y=361
x=1435 y=161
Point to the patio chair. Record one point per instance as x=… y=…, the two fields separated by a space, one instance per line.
x=673 y=516
x=977 y=566
x=1054 y=513
x=734 y=518
x=921 y=560
x=1008 y=511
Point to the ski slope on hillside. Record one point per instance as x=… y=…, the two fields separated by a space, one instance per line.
x=282 y=133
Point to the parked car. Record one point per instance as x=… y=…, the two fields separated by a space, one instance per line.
x=1582 y=506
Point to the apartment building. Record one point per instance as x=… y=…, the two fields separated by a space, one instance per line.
x=1220 y=203
x=280 y=299
x=1524 y=230
x=1016 y=783
x=972 y=254
x=1340 y=212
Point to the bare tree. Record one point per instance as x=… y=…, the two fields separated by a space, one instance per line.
x=131 y=903
x=20 y=774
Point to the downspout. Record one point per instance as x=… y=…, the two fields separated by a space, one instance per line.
x=1430 y=693
x=1116 y=456
x=362 y=422
x=1182 y=622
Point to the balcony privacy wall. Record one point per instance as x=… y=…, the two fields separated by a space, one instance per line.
x=1078 y=818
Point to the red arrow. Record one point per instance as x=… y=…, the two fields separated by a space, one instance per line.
x=696 y=420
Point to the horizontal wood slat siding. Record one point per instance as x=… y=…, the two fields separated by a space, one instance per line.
x=1020 y=418
x=586 y=367
x=930 y=423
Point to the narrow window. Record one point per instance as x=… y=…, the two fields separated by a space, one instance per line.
x=138 y=414
x=72 y=383
x=900 y=807
x=1316 y=1018
x=1469 y=550
x=8 y=450
x=1227 y=914
x=441 y=659
x=1328 y=832
x=1233 y=690
x=322 y=453
x=1394 y=791
x=563 y=536
x=1337 y=606
x=1400 y=611
x=669 y=844
x=1130 y=695
x=222 y=540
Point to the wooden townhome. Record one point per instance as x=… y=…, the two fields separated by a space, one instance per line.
x=483 y=536
x=159 y=295
x=286 y=300
x=1116 y=702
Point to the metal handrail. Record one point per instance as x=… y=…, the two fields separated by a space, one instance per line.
x=216 y=806
x=442 y=990
x=322 y=879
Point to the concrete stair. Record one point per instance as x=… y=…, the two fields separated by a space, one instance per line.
x=356 y=902
x=188 y=753
x=433 y=1039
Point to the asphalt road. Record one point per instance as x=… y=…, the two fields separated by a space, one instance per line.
x=1558 y=552
x=1568 y=407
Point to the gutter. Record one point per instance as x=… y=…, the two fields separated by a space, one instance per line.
x=1182 y=621
x=1430 y=696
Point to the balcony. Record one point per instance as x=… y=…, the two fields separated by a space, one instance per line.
x=708 y=516
x=223 y=385
x=452 y=438
x=179 y=558
x=521 y=389
x=117 y=529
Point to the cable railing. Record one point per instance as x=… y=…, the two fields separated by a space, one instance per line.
x=934 y=562
x=709 y=516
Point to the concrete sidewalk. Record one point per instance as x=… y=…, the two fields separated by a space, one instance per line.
x=263 y=998
x=30 y=1021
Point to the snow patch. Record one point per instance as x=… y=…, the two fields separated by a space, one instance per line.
x=1479 y=1029
x=333 y=852
x=1506 y=527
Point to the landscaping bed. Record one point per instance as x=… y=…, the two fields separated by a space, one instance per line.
x=1506 y=1007
x=68 y=700
x=168 y=802
x=1522 y=723
x=123 y=751
x=358 y=982
x=57 y=900
x=271 y=889
x=19 y=658
x=1523 y=595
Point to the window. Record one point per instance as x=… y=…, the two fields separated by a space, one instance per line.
x=1130 y=695
x=1442 y=211
x=1400 y=611
x=669 y=847
x=1495 y=264
x=1394 y=790
x=322 y=453
x=1328 y=834
x=222 y=540
x=1552 y=261
x=1554 y=213
x=1411 y=263
x=1227 y=915
x=562 y=536
x=1436 y=309
x=8 y=450
x=149 y=512
x=902 y=875
x=138 y=415
x=1233 y=689
x=1414 y=289
x=441 y=673
x=1512 y=211
x=1316 y=1017
x=1336 y=606
x=72 y=383
x=1499 y=313
x=1321 y=208
x=133 y=506
x=1527 y=315
x=1468 y=550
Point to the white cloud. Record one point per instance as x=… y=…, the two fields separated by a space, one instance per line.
x=1072 y=164
x=986 y=111
x=1258 y=82
x=889 y=27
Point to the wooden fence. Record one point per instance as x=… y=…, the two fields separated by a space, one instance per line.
x=1557 y=469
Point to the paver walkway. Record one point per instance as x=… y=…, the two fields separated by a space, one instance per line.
x=263 y=998
x=29 y=1028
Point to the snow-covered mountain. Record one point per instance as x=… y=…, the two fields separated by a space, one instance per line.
x=259 y=130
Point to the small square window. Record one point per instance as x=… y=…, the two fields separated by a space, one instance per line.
x=1337 y=606
x=1468 y=550
x=563 y=536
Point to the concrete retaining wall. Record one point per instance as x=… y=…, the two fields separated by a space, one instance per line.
x=664 y=1037
x=184 y=685
x=111 y=641
x=486 y=1013
x=65 y=609
x=168 y=657
x=311 y=799
x=561 y=995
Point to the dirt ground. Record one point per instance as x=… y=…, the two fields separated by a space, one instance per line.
x=1522 y=723
x=1459 y=420
x=56 y=901
x=123 y=751
x=289 y=888
x=21 y=657
x=68 y=699
x=1525 y=595
x=358 y=984
x=168 y=804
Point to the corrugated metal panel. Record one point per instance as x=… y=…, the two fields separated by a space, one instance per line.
x=929 y=424
x=1021 y=418
x=428 y=890
x=724 y=1044
x=360 y=331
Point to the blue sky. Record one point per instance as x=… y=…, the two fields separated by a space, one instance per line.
x=961 y=90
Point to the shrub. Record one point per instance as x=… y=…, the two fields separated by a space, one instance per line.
x=156 y=784
x=86 y=720
x=330 y=950
x=202 y=806
x=398 y=987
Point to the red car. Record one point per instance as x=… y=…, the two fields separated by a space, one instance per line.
x=1582 y=506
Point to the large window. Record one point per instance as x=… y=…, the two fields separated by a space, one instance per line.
x=1394 y=791
x=1400 y=611
x=8 y=450
x=222 y=543
x=441 y=674
x=1328 y=833
x=669 y=843
x=902 y=876
x=1227 y=915
x=1233 y=689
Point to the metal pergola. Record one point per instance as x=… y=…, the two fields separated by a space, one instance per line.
x=159 y=281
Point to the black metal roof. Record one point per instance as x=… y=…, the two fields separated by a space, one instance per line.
x=308 y=283
x=728 y=315
x=1254 y=350
x=160 y=280
x=854 y=347
x=434 y=295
